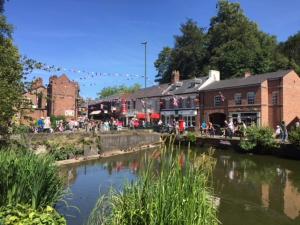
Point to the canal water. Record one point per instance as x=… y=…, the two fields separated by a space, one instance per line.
x=252 y=189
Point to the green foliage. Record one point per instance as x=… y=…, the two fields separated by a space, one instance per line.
x=11 y=72
x=108 y=91
x=163 y=65
x=26 y=178
x=191 y=137
x=54 y=120
x=294 y=137
x=21 y=129
x=258 y=138
x=291 y=49
x=25 y=215
x=233 y=45
x=177 y=193
x=188 y=55
x=63 y=152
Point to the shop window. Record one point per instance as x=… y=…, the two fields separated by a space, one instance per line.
x=275 y=98
x=251 y=98
x=238 y=98
x=217 y=100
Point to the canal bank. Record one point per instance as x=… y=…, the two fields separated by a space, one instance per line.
x=283 y=150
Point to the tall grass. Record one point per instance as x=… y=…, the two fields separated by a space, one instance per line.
x=26 y=178
x=171 y=190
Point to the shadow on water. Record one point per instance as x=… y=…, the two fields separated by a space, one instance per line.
x=252 y=190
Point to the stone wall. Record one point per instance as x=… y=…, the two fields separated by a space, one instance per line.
x=92 y=143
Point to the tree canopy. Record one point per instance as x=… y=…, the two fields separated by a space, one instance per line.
x=11 y=73
x=291 y=49
x=232 y=44
x=109 y=91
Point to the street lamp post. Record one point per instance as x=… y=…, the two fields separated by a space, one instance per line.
x=145 y=76
x=145 y=44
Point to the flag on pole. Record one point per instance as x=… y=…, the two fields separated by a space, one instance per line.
x=222 y=96
x=175 y=102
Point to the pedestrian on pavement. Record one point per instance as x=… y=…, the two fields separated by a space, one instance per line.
x=284 y=132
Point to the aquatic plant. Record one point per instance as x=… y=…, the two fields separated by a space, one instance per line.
x=259 y=139
x=26 y=178
x=171 y=190
x=63 y=152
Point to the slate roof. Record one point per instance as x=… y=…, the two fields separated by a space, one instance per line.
x=186 y=87
x=153 y=91
x=245 y=81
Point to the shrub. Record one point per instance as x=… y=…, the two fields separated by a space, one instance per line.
x=258 y=138
x=179 y=193
x=294 y=137
x=54 y=119
x=24 y=215
x=26 y=178
x=59 y=152
x=191 y=137
x=21 y=129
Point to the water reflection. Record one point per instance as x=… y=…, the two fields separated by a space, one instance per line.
x=251 y=189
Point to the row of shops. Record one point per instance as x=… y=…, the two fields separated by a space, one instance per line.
x=261 y=99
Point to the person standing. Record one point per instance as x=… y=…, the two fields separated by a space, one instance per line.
x=41 y=124
x=284 y=132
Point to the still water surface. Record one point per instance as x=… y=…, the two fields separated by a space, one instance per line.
x=253 y=190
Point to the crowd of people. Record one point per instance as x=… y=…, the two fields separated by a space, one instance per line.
x=230 y=129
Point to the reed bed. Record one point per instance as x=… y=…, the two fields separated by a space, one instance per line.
x=26 y=178
x=171 y=190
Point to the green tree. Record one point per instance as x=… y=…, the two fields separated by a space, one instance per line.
x=163 y=66
x=236 y=44
x=11 y=73
x=291 y=49
x=108 y=91
x=188 y=55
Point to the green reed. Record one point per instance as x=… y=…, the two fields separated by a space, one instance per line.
x=26 y=178
x=173 y=189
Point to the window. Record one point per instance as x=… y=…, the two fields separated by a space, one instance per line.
x=217 y=100
x=133 y=105
x=238 y=98
x=251 y=98
x=275 y=97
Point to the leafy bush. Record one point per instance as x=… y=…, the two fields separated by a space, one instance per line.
x=26 y=178
x=54 y=119
x=258 y=138
x=179 y=193
x=294 y=137
x=59 y=152
x=24 y=215
x=191 y=137
x=21 y=129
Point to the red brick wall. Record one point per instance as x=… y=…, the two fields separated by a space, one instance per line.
x=291 y=97
x=63 y=94
x=207 y=98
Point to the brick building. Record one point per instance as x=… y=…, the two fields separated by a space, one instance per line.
x=63 y=96
x=60 y=98
x=37 y=102
x=265 y=99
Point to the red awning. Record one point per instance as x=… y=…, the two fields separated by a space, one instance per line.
x=141 y=116
x=155 y=116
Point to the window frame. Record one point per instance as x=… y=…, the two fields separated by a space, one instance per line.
x=238 y=98
x=219 y=101
x=249 y=100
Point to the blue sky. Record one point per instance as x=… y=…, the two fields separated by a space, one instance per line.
x=105 y=35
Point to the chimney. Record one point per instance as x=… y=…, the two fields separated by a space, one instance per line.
x=175 y=76
x=214 y=75
x=247 y=74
